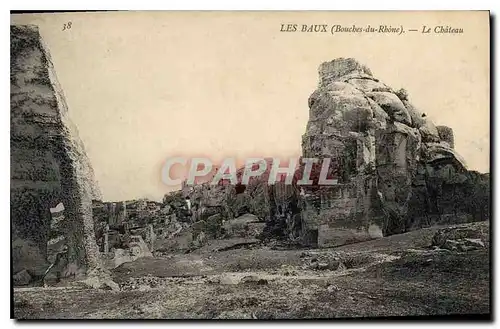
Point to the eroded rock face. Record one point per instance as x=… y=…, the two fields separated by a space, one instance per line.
x=48 y=161
x=232 y=201
x=396 y=169
x=275 y=204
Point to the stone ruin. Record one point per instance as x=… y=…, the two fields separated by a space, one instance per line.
x=396 y=169
x=127 y=230
x=52 y=181
x=270 y=203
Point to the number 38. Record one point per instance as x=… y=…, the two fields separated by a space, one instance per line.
x=67 y=26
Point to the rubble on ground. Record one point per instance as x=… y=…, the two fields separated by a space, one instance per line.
x=462 y=237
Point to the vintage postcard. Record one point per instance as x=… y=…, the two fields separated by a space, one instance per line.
x=250 y=165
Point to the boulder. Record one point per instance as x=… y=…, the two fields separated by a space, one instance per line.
x=138 y=249
x=21 y=278
x=417 y=118
x=473 y=234
x=213 y=226
x=243 y=226
x=462 y=245
x=446 y=134
x=476 y=243
x=433 y=152
x=253 y=279
x=333 y=108
x=392 y=105
x=428 y=131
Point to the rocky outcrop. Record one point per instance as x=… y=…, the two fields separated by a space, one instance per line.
x=463 y=237
x=232 y=200
x=137 y=248
x=396 y=169
x=48 y=160
x=276 y=204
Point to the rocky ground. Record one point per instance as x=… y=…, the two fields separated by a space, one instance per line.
x=432 y=271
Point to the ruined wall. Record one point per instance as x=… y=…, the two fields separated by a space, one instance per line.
x=234 y=200
x=48 y=161
x=396 y=169
x=342 y=214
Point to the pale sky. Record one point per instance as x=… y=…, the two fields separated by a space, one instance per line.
x=145 y=86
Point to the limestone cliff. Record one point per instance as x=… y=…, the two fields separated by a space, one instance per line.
x=393 y=162
x=48 y=161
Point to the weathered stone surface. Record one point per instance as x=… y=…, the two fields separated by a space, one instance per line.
x=428 y=131
x=396 y=170
x=392 y=105
x=244 y=226
x=21 y=278
x=433 y=152
x=341 y=112
x=368 y=84
x=338 y=88
x=446 y=135
x=417 y=118
x=137 y=249
x=476 y=234
x=336 y=69
x=49 y=164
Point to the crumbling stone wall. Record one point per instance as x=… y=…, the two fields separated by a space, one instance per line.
x=233 y=200
x=48 y=161
x=276 y=204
